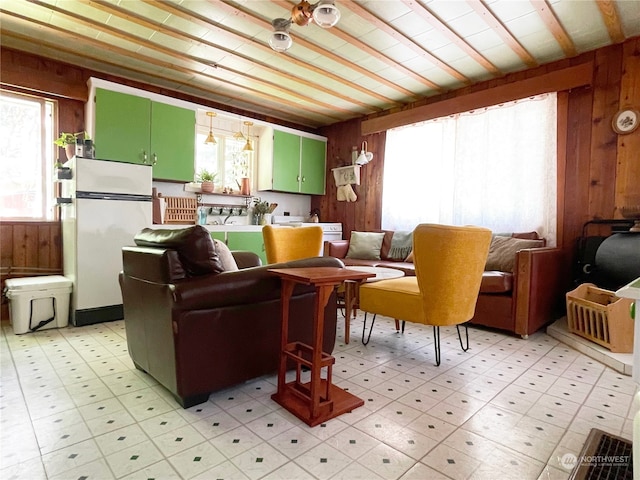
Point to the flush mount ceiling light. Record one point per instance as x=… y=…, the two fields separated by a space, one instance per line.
x=210 y=140
x=324 y=13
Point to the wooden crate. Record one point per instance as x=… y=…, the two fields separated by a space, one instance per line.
x=180 y=210
x=598 y=315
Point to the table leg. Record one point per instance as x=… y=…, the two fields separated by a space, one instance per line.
x=285 y=295
x=349 y=297
x=322 y=298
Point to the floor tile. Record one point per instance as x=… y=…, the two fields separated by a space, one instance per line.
x=72 y=404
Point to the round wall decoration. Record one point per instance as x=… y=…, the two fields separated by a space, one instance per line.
x=625 y=121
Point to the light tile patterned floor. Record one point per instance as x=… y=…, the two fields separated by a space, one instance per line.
x=72 y=406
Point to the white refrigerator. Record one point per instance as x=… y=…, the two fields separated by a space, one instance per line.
x=109 y=202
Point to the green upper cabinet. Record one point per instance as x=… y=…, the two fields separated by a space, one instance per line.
x=313 y=159
x=134 y=129
x=122 y=126
x=173 y=142
x=286 y=161
x=291 y=163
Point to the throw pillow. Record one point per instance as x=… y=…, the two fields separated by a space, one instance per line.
x=194 y=245
x=502 y=252
x=401 y=244
x=365 y=245
x=226 y=257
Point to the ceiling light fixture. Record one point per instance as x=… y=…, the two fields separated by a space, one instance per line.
x=324 y=13
x=247 y=146
x=211 y=140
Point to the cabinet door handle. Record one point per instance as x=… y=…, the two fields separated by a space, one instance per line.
x=145 y=158
x=298 y=178
x=155 y=159
x=303 y=179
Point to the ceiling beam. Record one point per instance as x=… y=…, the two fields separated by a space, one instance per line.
x=101 y=47
x=555 y=27
x=250 y=16
x=481 y=8
x=556 y=81
x=439 y=25
x=404 y=40
x=182 y=35
x=611 y=19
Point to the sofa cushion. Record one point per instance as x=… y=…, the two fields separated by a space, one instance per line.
x=496 y=282
x=194 y=245
x=365 y=245
x=502 y=252
x=226 y=257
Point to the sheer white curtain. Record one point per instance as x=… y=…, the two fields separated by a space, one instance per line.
x=494 y=167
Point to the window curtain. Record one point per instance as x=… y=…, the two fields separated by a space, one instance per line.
x=494 y=167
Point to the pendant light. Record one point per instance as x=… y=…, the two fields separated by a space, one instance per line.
x=211 y=140
x=248 y=147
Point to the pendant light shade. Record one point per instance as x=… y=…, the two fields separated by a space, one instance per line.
x=247 y=146
x=210 y=140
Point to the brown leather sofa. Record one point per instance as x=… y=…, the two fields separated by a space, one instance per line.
x=521 y=301
x=197 y=332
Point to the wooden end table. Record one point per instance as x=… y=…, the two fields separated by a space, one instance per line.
x=318 y=400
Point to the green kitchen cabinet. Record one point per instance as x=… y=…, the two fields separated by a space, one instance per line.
x=313 y=166
x=248 y=241
x=291 y=163
x=134 y=129
x=222 y=236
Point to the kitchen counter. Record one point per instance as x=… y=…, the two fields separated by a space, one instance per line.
x=213 y=228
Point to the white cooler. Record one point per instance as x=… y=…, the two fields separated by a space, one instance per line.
x=38 y=303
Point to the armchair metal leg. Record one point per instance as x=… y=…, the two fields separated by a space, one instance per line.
x=466 y=331
x=364 y=327
x=436 y=343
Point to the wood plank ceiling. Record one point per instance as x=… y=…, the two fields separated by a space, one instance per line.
x=382 y=54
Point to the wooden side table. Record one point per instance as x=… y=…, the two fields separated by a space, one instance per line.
x=318 y=400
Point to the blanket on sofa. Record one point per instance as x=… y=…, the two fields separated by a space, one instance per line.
x=401 y=245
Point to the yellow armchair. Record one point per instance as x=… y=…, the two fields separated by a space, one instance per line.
x=449 y=263
x=284 y=244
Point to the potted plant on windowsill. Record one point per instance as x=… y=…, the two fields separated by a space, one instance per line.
x=207 y=180
x=68 y=142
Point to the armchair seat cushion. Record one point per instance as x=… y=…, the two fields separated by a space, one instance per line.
x=494 y=281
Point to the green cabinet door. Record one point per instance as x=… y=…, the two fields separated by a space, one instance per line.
x=248 y=241
x=313 y=166
x=173 y=142
x=122 y=127
x=219 y=236
x=286 y=161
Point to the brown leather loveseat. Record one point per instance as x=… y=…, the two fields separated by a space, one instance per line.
x=199 y=318
x=520 y=293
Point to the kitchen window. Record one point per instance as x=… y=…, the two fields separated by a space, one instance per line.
x=226 y=157
x=26 y=157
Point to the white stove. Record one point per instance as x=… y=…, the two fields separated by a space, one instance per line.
x=331 y=231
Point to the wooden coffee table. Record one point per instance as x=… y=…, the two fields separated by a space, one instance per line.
x=318 y=400
x=352 y=290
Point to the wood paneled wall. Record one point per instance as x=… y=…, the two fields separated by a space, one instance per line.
x=598 y=170
x=29 y=249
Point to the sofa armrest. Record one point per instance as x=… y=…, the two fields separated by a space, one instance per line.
x=246 y=259
x=253 y=285
x=336 y=248
x=537 y=288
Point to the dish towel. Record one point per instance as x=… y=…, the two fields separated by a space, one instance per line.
x=345 y=193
